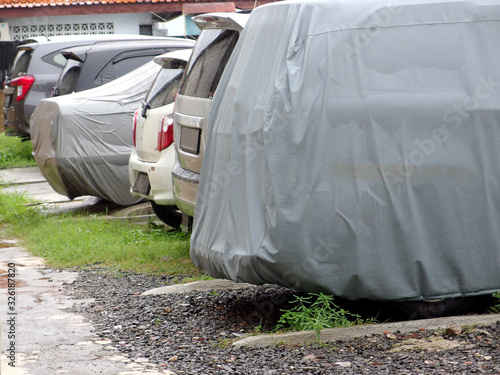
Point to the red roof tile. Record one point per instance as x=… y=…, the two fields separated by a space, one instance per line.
x=5 y=4
x=48 y=8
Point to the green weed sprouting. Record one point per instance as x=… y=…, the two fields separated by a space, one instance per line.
x=15 y=152
x=495 y=309
x=6 y=156
x=13 y=208
x=315 y=312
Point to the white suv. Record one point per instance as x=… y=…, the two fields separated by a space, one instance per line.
x=152 y=158
x=213 y=48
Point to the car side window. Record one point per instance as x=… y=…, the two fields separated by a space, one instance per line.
x=21 y=64
x=208 y=62
x=164 y=88
x=115 y=70
x=55 y=58
x=68 y=81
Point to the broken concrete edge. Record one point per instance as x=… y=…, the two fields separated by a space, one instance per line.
x=198 y=286
x=346 y=333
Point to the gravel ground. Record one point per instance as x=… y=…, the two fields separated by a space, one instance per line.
x=192 y=333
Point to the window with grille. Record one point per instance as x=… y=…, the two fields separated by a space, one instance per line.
x=24 y=32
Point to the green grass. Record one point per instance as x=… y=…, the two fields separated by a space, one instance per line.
x=495 y=308
x=14 y=209
x=122 y=245
x=14 y=152
x=69 y=240
x=76 y=240
x=316 y=312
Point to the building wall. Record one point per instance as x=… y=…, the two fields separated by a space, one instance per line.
x=179 y=26
x=124 y=23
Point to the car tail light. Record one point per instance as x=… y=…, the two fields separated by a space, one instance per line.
x=23 y=85
x=165 y=133
x=134 y=126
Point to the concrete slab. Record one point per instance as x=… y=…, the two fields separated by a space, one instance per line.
x=198 y=286
x=335 y=334
x=45 y=337
x=21 y=175
x=29 y=181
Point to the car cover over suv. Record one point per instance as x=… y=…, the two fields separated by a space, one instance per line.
x=220 y=32
x=352 y=149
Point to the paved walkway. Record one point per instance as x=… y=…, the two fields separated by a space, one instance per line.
x=29 y=181
x=45 y=337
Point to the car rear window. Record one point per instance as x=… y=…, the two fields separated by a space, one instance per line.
x=164 y=88
x=55 y=58
x=210 y=56
x=119 y=67
x=21 y=63
x=69 y=78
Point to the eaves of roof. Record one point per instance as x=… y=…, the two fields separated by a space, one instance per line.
x=34 y=8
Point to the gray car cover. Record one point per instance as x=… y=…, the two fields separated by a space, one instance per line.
x=82 y=141
x=353 y=149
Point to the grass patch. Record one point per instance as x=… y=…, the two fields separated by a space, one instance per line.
x=14 y=209
x=495 y=308
x=74 y=240
x=112 y=243
x=315 y=312
x=14 y=152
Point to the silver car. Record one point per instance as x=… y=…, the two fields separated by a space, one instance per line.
x=220 y=32
x=36 y=69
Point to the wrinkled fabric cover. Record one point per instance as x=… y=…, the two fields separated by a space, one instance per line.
x=353 y=149
x=82 y=141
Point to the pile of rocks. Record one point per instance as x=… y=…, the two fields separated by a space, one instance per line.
x=193 y=332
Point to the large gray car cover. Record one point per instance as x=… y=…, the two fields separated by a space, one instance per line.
x=353 y=148
x=82 y=141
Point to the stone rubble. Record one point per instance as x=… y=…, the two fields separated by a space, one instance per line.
x=192 y=333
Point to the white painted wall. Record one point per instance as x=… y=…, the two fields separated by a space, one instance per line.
x=125 y=23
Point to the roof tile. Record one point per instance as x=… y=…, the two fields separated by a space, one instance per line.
x=42 y=3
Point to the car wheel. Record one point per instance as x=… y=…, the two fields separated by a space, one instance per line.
x=170 y=215
x=435 y=308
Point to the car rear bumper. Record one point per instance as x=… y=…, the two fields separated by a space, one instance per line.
x=185 y=185
x=159 y=175
x=14 y=125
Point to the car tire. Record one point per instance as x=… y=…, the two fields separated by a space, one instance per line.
x=170 y=215
x=413 y=310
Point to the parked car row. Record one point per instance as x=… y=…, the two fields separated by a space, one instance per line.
x=81 y=135
x=306 y=159
x=39 y=62
x=82 y=141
